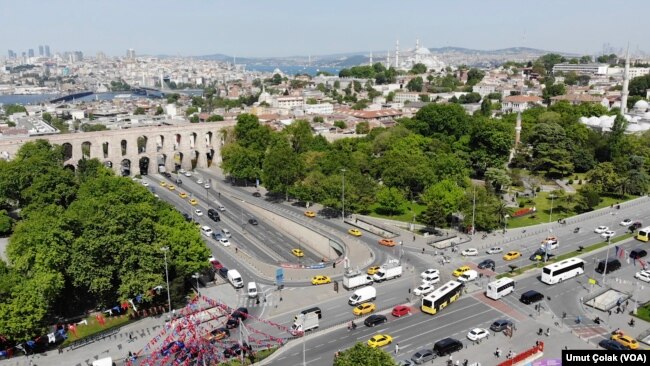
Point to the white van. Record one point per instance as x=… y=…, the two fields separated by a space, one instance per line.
x=235 y=278
x=252 y=290
x=220 y=207
x=362 y=295
x=470 y=275
x=205 y=230
x=226 y=233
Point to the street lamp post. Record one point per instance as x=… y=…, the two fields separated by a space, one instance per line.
x=196 y=275
x=550 y=215
x=169 y=300
x=343 y=195
x=505 y=223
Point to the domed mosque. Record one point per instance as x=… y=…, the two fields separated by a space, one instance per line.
x=638 y=119
x=421 y=55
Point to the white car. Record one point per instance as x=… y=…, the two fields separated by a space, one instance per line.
x=643 y=275
x=477 y=333
x=469 y=252
x=626 y=222
x=181 y=171
x=145 y=184
x=200 y=181
x=198 y=212
x=423 y=289
x=608 y=234
x=212 y=259
x=601 y=229
x=206 y=186
x=224 y=242
x=494 y=250
x=188 y=174
x=430 y=272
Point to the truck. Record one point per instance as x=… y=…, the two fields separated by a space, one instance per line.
x=304 y=322
x=108 y=361
x=389 y=270
x=362 y=295
x=354 y=279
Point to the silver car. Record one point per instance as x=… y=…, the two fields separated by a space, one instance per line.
x=423 y=356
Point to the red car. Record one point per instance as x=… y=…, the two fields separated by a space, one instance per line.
x=216 y=264
x=401 y=310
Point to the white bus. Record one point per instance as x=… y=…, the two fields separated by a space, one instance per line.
x=442 y=297
x=500 y=288
x=558 y=272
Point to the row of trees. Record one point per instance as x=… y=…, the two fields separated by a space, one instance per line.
x=84 y=239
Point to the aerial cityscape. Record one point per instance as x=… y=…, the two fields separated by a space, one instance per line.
x=339 y=183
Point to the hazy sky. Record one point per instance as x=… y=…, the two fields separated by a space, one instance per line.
x=303 y=27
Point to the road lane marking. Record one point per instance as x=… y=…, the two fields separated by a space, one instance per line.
x=444 y=326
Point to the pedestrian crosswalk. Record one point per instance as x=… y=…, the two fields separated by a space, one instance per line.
x=261 y=301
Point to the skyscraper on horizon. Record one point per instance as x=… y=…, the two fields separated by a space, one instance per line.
x=47 y=51
x=40 y=50
x=130 y=54
x=30 y=52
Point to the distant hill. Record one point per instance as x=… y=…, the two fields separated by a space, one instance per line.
x=340 y=60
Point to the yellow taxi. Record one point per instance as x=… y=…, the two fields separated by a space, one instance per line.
x=511 y=255
x=297 y=252
x=163 y=184
x=460 y=270
x=364 y=309
x=380 y=340
x=625 y=340
x=372 y=270
x=310 y=213
x=194 y=202
x=182 y=195
x=320 y=280
x=354 y=232
x=387 y=242
x=171 y=187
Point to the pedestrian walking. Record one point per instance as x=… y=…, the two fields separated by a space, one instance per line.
x=396 y=348
x=422 y=250
x=548 y=331
x=413 y=237
x=130 y=337
x=497 y=353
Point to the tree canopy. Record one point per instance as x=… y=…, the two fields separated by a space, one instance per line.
x=85 y=239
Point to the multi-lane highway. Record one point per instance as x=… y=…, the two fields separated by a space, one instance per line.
x=420 y=331
x=262 y=240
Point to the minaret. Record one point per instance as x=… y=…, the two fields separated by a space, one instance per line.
x=388 y=60
x=626 y=81
x=370 y=58
x=397 y=54
x=417 y=43
x=518 y=130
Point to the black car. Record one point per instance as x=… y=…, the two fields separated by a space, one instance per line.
x=530 y=297
x=638 y=253
x=500 y=325
x=375 y=319
x=232 y=323
x=223 y=272
x=252 y=221
x=179 y=181
x=240 y=313
x=611 y=345
x=635 y=226
x=257 y=194
x=167 y=174
x=187 y=217
x=487 y=263
x=539 y=255
x=235 y=350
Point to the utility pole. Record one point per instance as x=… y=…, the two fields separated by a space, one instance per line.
x=550 y=215
x=343 y=195
x=606 y=260
x=474 y=212
x=169 y=301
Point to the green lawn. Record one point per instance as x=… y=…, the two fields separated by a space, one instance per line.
x=94 y=327
x=408 y=210
x=543 y=205
x=643 y=312
x=572 y=254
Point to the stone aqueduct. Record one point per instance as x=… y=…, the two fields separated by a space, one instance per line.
x=138 y=150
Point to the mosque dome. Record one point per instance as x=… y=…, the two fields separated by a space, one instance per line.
x=641 y=106
x=422 y=51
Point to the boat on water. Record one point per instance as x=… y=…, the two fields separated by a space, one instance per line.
x=122 y=96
